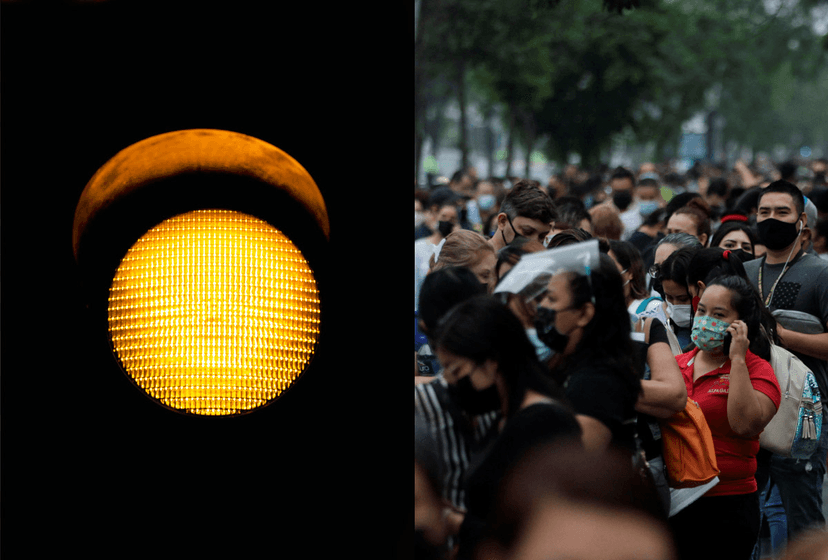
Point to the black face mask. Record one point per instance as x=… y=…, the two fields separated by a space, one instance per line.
x=776 y=234
x=445 y=228
x=549 y=335
x=471 y=400
x=743 y=255
x=516 y=236
x=622 y=199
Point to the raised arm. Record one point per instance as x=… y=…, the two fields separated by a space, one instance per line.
x=748 y=410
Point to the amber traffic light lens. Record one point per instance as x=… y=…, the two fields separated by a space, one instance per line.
x=214 y=312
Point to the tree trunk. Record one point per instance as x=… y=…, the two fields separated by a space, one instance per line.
x=510 y=141
x=461 y=98
x=490 y=143
x=527 y=171
x=418 y=154
x=529 y=128
x=419 y=104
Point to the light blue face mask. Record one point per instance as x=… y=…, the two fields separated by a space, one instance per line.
x=486 y=201
x=647 y=207
x=543 y=352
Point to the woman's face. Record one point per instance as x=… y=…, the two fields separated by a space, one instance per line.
x=448 y=213
x=484 y=269
x=663 y=251
x=682 y=223
x=716 y=302
x=626 y=275
x=736 y=239
x=457 y=367
x=675 y=293
x=567 y=319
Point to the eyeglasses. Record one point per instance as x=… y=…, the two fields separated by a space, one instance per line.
x=654 y=270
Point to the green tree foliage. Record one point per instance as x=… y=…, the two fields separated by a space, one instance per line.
x=575 y=74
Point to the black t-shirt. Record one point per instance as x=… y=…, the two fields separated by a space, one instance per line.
x=529 y=428
x=595 y=389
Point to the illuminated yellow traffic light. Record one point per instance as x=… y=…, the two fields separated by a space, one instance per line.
x=211 y=311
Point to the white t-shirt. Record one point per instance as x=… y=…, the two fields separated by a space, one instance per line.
x=423 y=249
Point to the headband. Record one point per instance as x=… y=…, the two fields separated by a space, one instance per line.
x=734 y=218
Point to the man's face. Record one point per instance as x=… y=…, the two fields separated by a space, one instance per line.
x=648 y=193
x=466 y=185
x=448 y=213
x=621 y=184
x=779 y=206
x=527 y=227
x=484 y=187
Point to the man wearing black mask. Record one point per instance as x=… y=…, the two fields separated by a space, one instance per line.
x=527 y=211
x=788 y=278
x=622 y=184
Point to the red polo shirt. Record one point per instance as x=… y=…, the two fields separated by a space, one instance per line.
x=735 y=454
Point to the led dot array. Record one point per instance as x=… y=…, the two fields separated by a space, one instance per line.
x=214 y=312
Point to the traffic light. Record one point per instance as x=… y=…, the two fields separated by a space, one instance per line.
x=202 y=255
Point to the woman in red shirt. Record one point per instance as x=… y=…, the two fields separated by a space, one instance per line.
x=737 y=390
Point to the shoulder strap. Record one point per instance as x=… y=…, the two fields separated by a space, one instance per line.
x=674 y=343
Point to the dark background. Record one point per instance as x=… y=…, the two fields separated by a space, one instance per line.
x=89 y=464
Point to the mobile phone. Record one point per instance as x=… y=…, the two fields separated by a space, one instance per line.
x=726 y=343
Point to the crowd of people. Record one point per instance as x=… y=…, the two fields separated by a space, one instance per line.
x=539 y=391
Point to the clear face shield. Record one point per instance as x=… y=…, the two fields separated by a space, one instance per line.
x=528 y=282
x=529 y=278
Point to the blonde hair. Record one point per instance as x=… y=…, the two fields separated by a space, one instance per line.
x=461 y=248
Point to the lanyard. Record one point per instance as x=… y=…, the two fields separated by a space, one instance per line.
x=778 y=278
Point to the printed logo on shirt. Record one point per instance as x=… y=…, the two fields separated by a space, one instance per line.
x=720 y=385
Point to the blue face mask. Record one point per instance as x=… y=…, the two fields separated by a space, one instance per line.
x=543 y=351
x=647 y=207
x=486 y=201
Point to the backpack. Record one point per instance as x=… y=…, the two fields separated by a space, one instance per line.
x=795 y=429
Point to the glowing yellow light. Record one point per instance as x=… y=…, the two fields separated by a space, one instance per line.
x=214 y=312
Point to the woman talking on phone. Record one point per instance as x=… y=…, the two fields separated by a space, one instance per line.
x=728 y=374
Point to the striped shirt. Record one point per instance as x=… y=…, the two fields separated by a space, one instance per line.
x=456 y=436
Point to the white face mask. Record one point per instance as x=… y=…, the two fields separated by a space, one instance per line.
x=682 y=315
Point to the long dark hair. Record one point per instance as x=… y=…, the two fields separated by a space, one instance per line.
x=482 y=328
x=607 y=335
x=711 y=262
x=676 y=267
x=629 y=257
x=442 y=290
x=745 y=300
